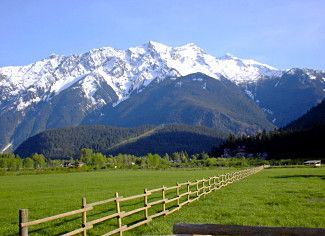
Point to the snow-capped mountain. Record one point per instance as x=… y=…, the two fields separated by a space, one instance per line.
x=61 y=91
x=124 y=71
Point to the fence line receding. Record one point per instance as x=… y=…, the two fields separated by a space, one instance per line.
x=184 y=193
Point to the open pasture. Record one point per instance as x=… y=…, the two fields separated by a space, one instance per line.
x=293 y=197
x=49 y=194
x=273 y=197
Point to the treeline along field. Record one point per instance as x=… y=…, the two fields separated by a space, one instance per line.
x=89 y=160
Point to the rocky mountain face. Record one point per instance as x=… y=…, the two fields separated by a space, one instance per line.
x=62 y=91
x=195 y=99
x=289 y=96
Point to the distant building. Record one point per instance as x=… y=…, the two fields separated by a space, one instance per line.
x=241 y=152
x=69 y=164
x=314 y=163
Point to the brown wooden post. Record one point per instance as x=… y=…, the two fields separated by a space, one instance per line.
x=203 y=185
x=197 y=188
x=188 y=191
x=146 y=215
x=177 y=193
x=84 y=216
x=163 y=197
x=118 y=210
x=23 y=218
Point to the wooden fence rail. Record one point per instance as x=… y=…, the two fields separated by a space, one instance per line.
x=182 y=194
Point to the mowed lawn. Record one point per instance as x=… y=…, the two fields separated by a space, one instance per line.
x=49 y=194
x=273 y=197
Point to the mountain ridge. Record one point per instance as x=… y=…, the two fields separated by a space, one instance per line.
x=61 y=91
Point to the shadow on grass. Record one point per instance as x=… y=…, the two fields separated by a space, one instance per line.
x=299 y=176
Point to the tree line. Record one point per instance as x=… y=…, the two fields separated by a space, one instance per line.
x=13 y=162
x=92 y=160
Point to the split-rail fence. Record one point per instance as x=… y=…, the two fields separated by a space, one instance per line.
x=183 y=194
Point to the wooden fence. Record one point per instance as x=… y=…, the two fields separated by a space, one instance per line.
x=178 y=196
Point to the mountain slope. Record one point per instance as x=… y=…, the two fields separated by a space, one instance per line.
x=67 y=142
x=195 y=99
x=173 y=138
x=288 y=97
x=315 y=117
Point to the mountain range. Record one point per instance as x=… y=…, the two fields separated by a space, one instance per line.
x=152 y=84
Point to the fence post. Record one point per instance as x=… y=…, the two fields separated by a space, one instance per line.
x=177 y=193
x=163 y=197
x=203 y=187
x=23 y=218
x=146 y=203
x=197 y=189
x=84 y=216
x=118 y=210
x=188 y=191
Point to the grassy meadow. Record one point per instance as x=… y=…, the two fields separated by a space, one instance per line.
x=273 y=197
x=50 y=194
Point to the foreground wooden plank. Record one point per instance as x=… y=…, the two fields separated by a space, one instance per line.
x=218 y=229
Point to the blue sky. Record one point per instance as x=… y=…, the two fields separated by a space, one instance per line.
x=281 y=33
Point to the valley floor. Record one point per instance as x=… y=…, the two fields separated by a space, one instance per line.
x=273 y=197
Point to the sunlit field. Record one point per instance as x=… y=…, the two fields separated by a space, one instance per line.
x=273 y=197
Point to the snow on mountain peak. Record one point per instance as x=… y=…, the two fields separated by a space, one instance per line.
x=157 y=46
x=125 y=71
x=228 y=56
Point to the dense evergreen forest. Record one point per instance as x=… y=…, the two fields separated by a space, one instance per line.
x=303 y=138
x=174 y=138
x=301 y=144
x=314 y=117
x=66 y=143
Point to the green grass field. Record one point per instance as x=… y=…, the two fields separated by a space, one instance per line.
x=273 y=197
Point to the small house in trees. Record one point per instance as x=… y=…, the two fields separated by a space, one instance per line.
x=315 y=163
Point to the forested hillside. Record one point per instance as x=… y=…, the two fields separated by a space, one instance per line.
x=65 y=143
x=174 y=138
x=315 y=117
x=303 y=138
